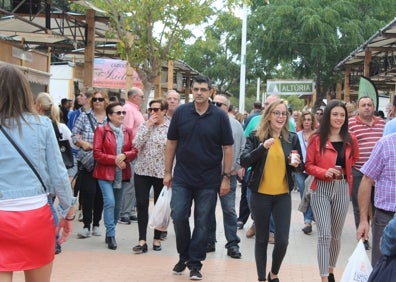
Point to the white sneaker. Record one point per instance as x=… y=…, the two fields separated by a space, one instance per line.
x=96 y=231
x=84 y=233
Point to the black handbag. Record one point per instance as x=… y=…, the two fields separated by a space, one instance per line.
x=64 y=147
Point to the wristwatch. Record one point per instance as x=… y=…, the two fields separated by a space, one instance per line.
x=70 y=219
x=226 y=175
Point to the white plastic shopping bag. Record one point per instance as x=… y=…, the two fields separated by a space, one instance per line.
x=359 y=267
x=160 y=216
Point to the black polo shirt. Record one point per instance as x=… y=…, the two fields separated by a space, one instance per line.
x=199 y=151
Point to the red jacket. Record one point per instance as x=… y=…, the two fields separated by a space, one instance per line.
x=104 y=152
x=316 y=164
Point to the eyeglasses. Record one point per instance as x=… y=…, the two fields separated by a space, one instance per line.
x=218 y=104
x=98 y=99
x=155 y=110
x=196 y=89
x=279 y=114
x=319 y=114
x=120 y=113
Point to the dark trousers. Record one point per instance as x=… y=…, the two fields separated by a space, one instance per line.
x=142 y=190
x=91 y=199
x=262 y=207
x=244 y=210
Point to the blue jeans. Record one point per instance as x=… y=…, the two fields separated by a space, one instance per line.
x=111 y=205
x=192 y=248
x=229 y=217
x=300 y=180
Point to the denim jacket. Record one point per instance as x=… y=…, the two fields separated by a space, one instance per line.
x=37 y=140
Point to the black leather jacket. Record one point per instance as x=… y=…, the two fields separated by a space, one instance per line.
x=254 y=155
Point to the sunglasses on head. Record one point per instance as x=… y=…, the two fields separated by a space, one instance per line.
x=118 y=113
x=98 y=99
x=155 y=110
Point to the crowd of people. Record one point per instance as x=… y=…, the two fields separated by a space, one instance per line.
x=200 y=150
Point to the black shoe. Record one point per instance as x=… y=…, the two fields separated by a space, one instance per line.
x=164 y=235
x=139 y=249
x=58 y=248
x=331 y=277
x=195 y=274
x=133 y=218
x=272 y=280
x=179 y=267
x=157 y=247
x=124 y=220
x=307 y=229
x=111 y=243
x=366 y=245
x=240 y=225
x=234 y=252
x=210 y=248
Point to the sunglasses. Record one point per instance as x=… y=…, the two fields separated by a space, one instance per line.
x=120 y=113
x=155 y=110
x=319 y=114
x=98 y=99
x=218 y=104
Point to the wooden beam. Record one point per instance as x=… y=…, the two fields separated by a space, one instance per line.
x=367 y=61
x=347 y=89
x=170 y=74
x=89 y=49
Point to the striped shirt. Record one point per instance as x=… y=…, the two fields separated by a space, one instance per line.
x=381 y=167
x=367 y=136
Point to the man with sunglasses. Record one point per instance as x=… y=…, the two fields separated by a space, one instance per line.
x=199 y=136
x=133 y=119
x=228 y=201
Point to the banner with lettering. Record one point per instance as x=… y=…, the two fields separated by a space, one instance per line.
x=290 y=87
x=109 y=73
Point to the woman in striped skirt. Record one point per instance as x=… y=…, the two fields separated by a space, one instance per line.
x=331 y=152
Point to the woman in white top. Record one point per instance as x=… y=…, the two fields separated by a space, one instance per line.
x=307 y=123
x=150 y=140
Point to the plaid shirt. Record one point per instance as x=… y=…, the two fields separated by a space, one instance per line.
x=381 y=167
x=83 y=127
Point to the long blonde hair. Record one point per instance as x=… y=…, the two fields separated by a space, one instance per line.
x=47 y=105
x=264 y=128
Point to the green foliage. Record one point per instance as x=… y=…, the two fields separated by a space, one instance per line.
x=217 y=55
x=313 y=36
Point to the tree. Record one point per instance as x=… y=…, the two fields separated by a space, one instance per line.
x=216 y=54
x=152 y=31
x=313 y=36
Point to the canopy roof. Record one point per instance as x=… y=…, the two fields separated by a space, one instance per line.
x=382 y=46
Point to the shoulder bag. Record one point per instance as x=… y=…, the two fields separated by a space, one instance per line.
x=64 y=147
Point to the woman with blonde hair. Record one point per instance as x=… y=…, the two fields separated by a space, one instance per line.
x=45 y=106
x=27 y=229
x=273 y=153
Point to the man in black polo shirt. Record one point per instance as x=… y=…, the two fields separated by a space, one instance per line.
x=198 y=136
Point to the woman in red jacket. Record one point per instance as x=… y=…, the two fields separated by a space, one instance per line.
x=113 y=151
x=331 y=152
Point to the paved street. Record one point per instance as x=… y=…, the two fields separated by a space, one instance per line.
x=89 y=260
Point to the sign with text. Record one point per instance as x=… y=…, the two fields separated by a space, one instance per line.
x=290 y=87
x=109 y=73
